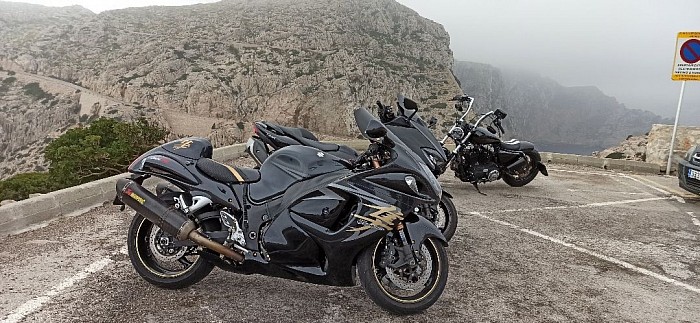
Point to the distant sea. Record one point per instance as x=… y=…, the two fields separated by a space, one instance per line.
x=568 y=148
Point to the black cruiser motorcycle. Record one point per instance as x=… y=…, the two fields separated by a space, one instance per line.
x=411 y=130
x=480 y=156
x=304 y=214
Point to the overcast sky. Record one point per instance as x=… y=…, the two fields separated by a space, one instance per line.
x=624 y=47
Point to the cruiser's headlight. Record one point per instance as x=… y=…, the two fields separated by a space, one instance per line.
x=457 y=133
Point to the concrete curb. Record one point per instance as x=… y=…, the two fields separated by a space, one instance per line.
x=605 y=163
x=17 y=216
x=20 y=215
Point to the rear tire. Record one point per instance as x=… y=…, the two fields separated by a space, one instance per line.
x=147 y=261
x=381 y=289
x=528 y=174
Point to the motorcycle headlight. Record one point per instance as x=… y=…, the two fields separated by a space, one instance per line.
x=457 y=133
x=411 y=182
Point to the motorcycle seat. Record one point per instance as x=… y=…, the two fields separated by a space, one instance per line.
x=517 y=145
x=227 y=174
x=510 y=145
x=306 y=138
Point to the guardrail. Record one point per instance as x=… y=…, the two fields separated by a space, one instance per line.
x=24 y=214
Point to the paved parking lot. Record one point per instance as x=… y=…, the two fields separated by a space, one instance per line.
x=579 y=245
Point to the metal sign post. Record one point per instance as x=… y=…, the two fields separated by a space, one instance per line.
x=686 y=67
x=675 y=128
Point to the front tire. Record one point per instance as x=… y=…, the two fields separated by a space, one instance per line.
x=446 y=218
x=524 y=175
x=160 y=265
x=396 y=292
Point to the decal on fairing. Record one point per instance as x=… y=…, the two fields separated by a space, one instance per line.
x=384 y=217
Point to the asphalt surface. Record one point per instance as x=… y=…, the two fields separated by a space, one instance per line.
x=580 y=245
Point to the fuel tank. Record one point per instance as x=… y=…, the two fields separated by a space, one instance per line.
x=290 y=165
x=482 y=136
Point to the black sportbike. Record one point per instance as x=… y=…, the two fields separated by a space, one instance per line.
x=411 y=130
x=304 y=214
x=481 y=156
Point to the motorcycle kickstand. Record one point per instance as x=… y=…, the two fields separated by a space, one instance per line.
x=476 y=186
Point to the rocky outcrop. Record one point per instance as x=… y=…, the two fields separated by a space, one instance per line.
x=212 y=69
x=549 y=114
x=29 y=118
x=653 y=146
x=660 y=141
x=632 y=148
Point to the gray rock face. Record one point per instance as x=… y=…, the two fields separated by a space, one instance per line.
x=212 y=69
x=546 y=112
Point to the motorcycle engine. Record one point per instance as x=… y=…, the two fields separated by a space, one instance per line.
x=476 y=164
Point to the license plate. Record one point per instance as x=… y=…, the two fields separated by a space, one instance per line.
x=693 y=174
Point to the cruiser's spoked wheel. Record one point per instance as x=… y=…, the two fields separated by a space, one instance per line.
x=524 y=175
x=407 y=289
x=158 y=261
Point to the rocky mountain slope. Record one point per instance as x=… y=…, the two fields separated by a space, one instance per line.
x=212 y=69
x=549 y=114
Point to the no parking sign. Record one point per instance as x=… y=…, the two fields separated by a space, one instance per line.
x=686 y=63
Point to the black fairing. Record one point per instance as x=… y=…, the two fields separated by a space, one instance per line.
x=176 y=161
x=289 y=165
x=323 y=207
x=418 y=137
x=482 y=136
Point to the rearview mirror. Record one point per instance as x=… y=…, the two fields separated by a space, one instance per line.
x=375 y=129
x=432 y=122
x=458 y=106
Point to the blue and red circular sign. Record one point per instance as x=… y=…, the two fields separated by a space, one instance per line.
x=690 y=51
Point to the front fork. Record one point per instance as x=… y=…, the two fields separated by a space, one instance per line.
x=405 y=240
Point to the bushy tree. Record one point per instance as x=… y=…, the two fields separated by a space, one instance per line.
x=103 y=149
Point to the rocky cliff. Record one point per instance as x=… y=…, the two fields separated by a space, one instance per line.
x=549 y=114
x=212 y=69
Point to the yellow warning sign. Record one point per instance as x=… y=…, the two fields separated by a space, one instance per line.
x=686 y=62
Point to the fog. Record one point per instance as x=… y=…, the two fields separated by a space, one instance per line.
x=625 y=48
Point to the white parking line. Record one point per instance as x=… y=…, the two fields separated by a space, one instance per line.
x=563 y=207
x=36 y=303
x=662 y=191
x=618 y=262
x=611 y=192
x=584 y=173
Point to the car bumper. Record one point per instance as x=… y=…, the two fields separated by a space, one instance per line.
x=689 y=184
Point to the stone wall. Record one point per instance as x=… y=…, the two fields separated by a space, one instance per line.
x=660 y=140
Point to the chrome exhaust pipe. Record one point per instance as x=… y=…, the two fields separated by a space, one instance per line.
x=168 y=218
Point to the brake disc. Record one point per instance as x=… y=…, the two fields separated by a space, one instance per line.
x=162 y=248
x=412 y=277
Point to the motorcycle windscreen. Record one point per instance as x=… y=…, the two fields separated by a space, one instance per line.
x=363 y=119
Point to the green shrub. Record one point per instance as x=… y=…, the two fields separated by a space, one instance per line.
x=19 y=187
x=33 y=89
